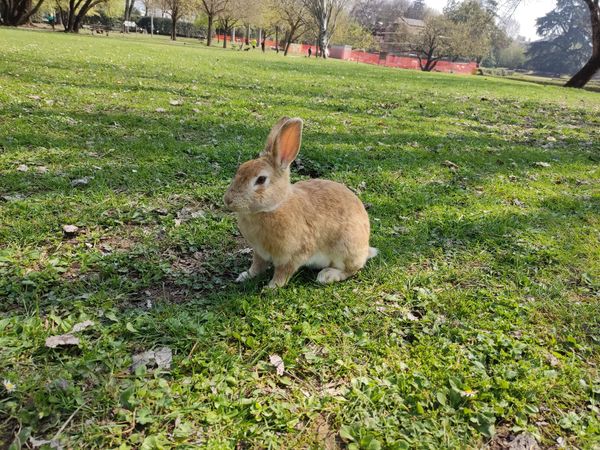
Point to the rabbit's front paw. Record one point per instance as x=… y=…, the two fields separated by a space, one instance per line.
x=243 y=277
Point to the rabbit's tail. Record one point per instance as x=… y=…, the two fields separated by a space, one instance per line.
x=372 y=252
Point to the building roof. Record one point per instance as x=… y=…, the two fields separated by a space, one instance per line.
x=411 y=22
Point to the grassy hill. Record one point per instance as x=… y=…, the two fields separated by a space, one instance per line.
x=479 y=320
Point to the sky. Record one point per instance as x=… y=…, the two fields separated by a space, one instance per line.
x=525 y=14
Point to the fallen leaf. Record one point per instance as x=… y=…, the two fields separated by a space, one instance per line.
x=162 y=357
x=81 y=181
x=142 y=359
x=186 y=214
x=54 y=443
x=23 y=168
x=175 y=102
x=41 y=169
x=410 y=316
x=552 y=360
x=160 y=110
x=13 y=197
x=70 y=229
x=541 y=164
x=82 y=326
x=523 y=441
x=450 y=165
x=34 y=97
x=63 y=339
x=277 y=363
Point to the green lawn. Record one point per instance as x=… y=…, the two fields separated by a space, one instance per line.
x=479 y=320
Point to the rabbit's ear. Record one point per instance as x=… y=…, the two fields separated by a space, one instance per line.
x=272 y=136
x=287 y=143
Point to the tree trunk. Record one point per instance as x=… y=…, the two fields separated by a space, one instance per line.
x=323 y=40
x=15 y=13
x=209 y=31
x=290 y=37
x=126 y=17
x=174 y=25
x=225 y=32
x=586 y=73
x=277 y=38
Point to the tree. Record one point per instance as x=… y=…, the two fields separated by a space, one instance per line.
x=590 y=68
x=325 y=14
x=566 y=39
x=72 y=12
x=176 y=9
x=512 y=57
x=228 y=18
x=18 y=12
x=251 y=14
x=350 y=32
x=127 y=13
x=212 y=9
x=378 y=16
x=294 y=15
x=476 y=22
x=433 y=43
x=417 y=10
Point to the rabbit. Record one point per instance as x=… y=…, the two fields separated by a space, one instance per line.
x=315 y=223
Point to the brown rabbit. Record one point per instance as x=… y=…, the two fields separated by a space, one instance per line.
x=316 y=223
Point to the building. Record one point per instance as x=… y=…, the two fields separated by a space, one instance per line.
x=395 y=39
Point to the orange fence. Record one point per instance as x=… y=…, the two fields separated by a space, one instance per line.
x=388 y=60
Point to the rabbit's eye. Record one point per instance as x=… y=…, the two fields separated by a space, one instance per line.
x=260 y=180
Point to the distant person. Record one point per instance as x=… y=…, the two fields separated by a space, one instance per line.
x=309 y=51
x=262 y=45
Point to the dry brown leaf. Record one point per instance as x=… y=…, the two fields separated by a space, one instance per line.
x=70 y=229
x=450 y=165
x=82 y=326
x=62 y=339
x=277 y=363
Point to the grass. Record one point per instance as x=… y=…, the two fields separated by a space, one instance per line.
x=478 y=321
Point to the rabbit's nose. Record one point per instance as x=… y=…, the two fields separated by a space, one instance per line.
x=227 y=199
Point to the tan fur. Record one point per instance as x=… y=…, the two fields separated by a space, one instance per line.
x=316 y=222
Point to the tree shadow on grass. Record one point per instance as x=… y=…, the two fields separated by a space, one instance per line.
x=163 y=145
